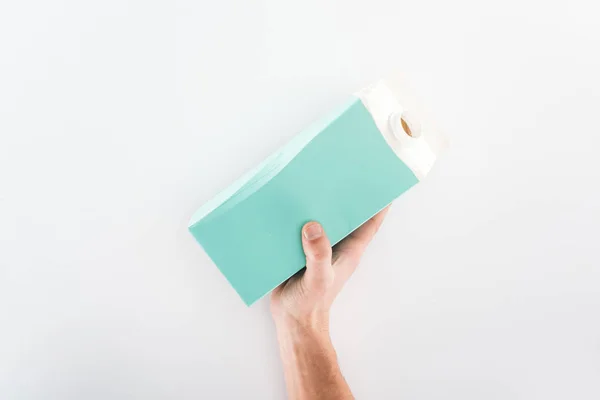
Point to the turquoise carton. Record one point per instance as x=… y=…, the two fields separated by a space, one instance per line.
x=339 y=171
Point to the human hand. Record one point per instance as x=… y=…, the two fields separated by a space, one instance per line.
x=305 y=298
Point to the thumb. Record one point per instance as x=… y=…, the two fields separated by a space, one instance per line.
x=319 y=272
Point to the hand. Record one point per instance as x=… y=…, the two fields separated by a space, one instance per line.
x=305 y=298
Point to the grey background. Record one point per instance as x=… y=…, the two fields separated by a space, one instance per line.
x=119 y=118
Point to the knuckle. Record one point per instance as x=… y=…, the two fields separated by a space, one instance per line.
x=320 y=253
x=321 y=283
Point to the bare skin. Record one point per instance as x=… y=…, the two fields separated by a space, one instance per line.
x=300 y=309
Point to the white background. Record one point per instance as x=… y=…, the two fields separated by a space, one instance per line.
x=119 y=118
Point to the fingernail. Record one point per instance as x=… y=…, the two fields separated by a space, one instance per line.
x=313 y=231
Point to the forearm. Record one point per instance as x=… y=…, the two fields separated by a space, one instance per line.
x=300 y=308
x=310 y=362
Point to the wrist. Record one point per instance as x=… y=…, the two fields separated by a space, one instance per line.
x=313 y=325
x=308 y=356
x=304 y=336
